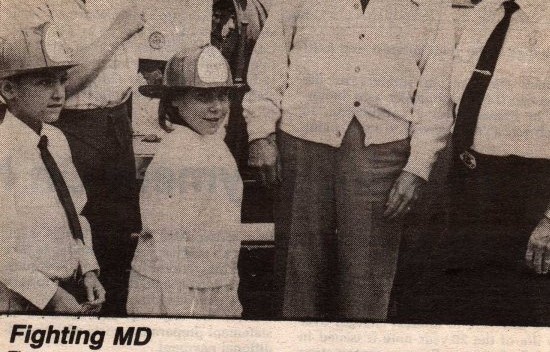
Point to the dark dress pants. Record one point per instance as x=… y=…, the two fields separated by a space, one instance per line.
x=101 y=146
x=335 y=254
x=494 y=209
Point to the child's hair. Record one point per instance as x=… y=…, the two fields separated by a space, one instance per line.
x=169 y=113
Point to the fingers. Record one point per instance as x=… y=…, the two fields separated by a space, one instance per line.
x=537 y=261
x=399 y=203
x=90 y=292
x=393 y=201
x=279 y=171
x=100 y=295
x=403 y=209
x=537 y=257
x=270 y=176
x=546 y=262
x=530 y=254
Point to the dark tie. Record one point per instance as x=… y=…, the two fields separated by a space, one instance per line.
x=474 y=93
x=364 y=4
x=61 y=188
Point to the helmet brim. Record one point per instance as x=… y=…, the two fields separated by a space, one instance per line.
x=160 y=90
x=25 y=71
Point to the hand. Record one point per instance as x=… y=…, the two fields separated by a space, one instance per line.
x=537 y=255
x=95 y=293
x=63 y=302
x=128 y=22
x=263 y=155
x=403 y=195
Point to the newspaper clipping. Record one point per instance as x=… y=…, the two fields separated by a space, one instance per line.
x=274 y=175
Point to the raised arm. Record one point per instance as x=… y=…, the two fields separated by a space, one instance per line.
x=94 y=57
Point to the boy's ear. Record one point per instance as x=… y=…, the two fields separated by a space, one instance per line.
x=7 y=89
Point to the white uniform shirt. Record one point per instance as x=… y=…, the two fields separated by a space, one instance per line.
x=389 y=67
x=80 y=25
x=515 y=115
x=36 y=244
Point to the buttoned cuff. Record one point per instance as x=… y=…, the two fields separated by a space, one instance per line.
x=420 y=165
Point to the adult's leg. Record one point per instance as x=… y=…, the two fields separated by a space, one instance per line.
x=495 y=207
x=305 y=250
x=100 y=142
x=368 y=244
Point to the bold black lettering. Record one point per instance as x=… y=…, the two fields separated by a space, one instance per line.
x=148 y=334
x=53 y=332
x=96 y=340
x=122 y=338
x=37 y=338
x=15 y=332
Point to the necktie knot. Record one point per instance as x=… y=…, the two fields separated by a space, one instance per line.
x=43 y=143
x=510 y=7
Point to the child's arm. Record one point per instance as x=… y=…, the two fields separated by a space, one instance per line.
x=17 y=270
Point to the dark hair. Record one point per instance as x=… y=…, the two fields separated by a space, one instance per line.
x=168 y=112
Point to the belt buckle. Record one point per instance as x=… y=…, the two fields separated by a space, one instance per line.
x=468 y=159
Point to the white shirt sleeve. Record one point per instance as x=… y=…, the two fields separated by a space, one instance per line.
x=17 y=270
x=268 y=72
x=433 y=106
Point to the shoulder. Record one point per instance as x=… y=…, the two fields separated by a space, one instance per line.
x=55 y=136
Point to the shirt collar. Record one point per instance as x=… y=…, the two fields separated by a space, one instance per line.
x=23 y=133
x=533 y=8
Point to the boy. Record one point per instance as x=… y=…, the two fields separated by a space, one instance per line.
x=44 y=243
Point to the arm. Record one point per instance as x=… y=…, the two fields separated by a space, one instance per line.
x=88 y=261
x=268 y=72
x=432 y=116
x=268 y=79
x=432 y=111
x=90 y=270
x=17 y=269
x=94 y=57
x=159 y=193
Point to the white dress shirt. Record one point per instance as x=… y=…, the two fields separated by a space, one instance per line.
x=390 y=67
x=36 y=244
x=515 y=115
x=191 y=205
x=80 y=25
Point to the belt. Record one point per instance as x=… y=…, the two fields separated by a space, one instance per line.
x=105 y=110
x=472 y=159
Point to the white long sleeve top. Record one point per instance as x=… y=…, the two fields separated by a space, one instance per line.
x=36 y=244
x=317 y=64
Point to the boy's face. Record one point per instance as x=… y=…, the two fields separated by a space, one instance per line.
x=38 y=96
x=204 y=109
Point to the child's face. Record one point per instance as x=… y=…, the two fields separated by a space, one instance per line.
x=204 y=109
x=39 y=96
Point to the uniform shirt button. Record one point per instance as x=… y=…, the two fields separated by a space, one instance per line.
x=357 y=104
x=362 y=36
x=357 y=69
x=338 y=134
